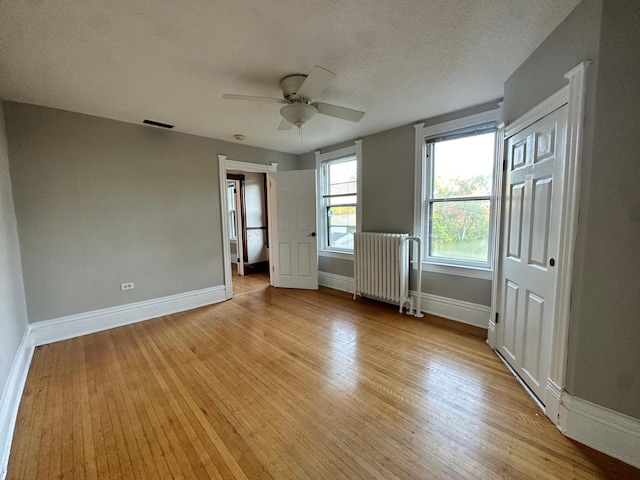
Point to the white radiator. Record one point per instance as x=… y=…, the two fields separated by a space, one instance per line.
x=381 y=267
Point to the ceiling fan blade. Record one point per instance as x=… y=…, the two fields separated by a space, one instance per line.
x=229 y=96
x=285 y=125
x=317 y=80
x=339 y=112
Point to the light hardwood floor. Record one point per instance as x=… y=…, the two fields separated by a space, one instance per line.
x=287 y=384
x=248 y=283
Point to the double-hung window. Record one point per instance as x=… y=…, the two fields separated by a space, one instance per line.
x=457 y=163
x=231 y=203
x=338 y=199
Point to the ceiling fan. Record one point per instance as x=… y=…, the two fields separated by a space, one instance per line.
x=299 y=93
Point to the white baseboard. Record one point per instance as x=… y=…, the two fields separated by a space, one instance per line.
x=605 y=430
x=465 y=312
x=11 y=396
x=71 y=326
x=458 y=310
x=337 y=282
x=552 y=401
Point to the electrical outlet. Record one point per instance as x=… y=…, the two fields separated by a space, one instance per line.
x=126 y=286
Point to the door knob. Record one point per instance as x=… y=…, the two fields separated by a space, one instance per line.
x=552 y=261
x=312 y=234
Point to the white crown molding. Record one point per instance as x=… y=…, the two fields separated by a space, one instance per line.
x=605 y=430
x=72 y=326
x=11 y=396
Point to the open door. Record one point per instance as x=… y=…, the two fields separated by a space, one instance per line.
x=294 y=243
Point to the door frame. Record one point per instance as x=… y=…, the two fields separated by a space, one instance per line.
x=225 y=164
x=572 y=94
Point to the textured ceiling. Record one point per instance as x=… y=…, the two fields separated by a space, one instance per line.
x=399 y=61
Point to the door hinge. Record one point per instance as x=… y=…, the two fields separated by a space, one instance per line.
x=504 y=164
x=496 y=322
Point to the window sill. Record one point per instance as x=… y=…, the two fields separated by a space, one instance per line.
x=330 y=254
x=459 y=270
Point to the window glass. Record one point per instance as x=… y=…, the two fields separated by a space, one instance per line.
x=459 y=199
x=460 y=230
x=340 y=202
x=231 y=202
x=463 y=167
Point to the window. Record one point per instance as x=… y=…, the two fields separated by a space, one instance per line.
x=338 y=199
x=231 y=202
x=456 y=204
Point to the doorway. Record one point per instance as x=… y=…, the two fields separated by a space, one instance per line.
x=248 y=230
x=245 y=227
x=556 y=255
x=530 y=245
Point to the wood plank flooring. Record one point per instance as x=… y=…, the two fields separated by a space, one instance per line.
x=281 y=384
x=248 y=283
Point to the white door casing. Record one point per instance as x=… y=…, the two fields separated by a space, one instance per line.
x=573 y=94
x=294 y=243
x=225 y=164
x=528 y=273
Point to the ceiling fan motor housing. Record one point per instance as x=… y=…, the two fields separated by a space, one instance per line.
x=290 y=86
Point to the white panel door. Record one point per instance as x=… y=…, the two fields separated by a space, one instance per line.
x=528 y=273
x=294 y=250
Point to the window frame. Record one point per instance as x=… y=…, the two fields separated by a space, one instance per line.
x=231 y=212
x=423 y=184
x=321 y=160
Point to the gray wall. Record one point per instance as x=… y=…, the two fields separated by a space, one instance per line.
x=13 y=312
x=337 y=266
x=101 y=202
x=388 y=166
x=474 y=290
x=605 y=328
x=388 y=172
x=576 y=39
x=604 y=333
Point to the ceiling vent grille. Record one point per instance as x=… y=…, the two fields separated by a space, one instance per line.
x=157 y=124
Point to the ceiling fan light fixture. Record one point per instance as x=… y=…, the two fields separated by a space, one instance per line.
x=298 y=114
